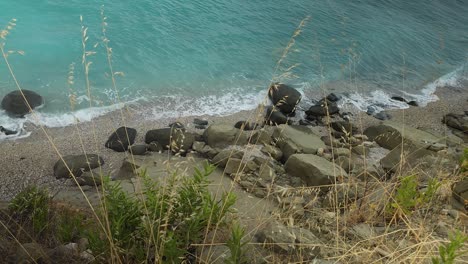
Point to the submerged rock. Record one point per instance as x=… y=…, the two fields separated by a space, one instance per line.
x=284 y=97
x=7 y=131
x=121 y=138
x=77 y=164
x=15 y=105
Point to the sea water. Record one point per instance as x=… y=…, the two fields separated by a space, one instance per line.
x=218 y=57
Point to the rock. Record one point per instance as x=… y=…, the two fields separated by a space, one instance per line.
x=313 y=170
x=460 y=192
x=389 y=135
x=224 y=135
x=413 y=103
x=129 y=168
x=344 y=126
x=155 y=147
x=290 y=240
x=31 y=253
x=200 y=122
x=171 y=138
x=267 y=173
x=65 y=251
x=345 y=163
x=261 y=136
x=360 y=150
x=200 y=127
x=341 y=152
x=459 y=122
x=177 y=125
x=121 y=138
x=382 y=115
x=437 y=147
x=333 y=97
x=406 y=153
x=331 y=141
x=399 y=98
x=77 y=164
x=209 y=151
x=296 y=139
x=15 y=105
x=246 y=125
x=89 y=179
x=7 y=131
x=224 y=155
x=323 y=109
x=139 y=149
x=273 y=152
x=87 y=256
x=234 y=166
x=198 y=146
x=284 y=97
x=275 y=117
x=305 y=122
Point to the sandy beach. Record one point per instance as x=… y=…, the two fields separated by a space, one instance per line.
x=30 y=160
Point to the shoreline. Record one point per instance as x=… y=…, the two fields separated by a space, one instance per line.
x=30 y=160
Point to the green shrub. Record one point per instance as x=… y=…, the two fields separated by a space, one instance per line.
x=236 y=246
x=69 y=225
x=31 y=206
x=449 y=252
x=162 y=224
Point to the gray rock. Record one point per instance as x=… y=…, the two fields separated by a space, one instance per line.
x=261 y=136
x=77 y=164
x=171 y=138
x=323 y=108
x=460 y=192
x=290 y=240
x=234 y=166
x=272 y=151
x=198 y=146
x=224 y=135
x=89 y=179
x=224 y=155
x=14 y=104
x=247 y=126
x=459 y=122
x=313 y=170
x=284 y=97
x=405 y=153
x=341 y=152
x=276 y=117
x=155 y=147
x=296 y=139
x=121 y=139
x=138 y=149
x=344 y=163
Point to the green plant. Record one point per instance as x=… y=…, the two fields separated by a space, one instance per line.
x=450 y=251
x=70 y=225
x=161 y=224
x=236 y=245
x=32 y=206
x=408 y=196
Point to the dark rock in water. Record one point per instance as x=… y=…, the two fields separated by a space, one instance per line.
x=7 y=131
x=399 y=98
x=413 y=103
x=284 y=97
x=247 y=125
x=383 y=115
x=15 y=105
x=275 y=117
x=333 y=97
x=139 y=149
x=121 y=139
x=324 y=108
x=77 y=164
x=200 y=122
x=177 y=125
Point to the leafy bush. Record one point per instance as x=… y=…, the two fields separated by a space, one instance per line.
x=236 y=246
x=162 y=224
x=449 y=252
x=32 y=206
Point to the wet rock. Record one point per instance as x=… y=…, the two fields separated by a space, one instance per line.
x=7 y=131
x=77 y=164
x=224 y=135
x=139 y=149
x=313 y=170
x=15 y=105
x=284 y=97
x=121 y=139
x=324 y=108
x=413 y=103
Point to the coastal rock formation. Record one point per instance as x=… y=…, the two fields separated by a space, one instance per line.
x=459 y=122
x=224 y=135
x=247 y=125
x=296 y=139
x=7 y=131
x=15 y=105
x=276 y=117
x=171 y=138
x=284 y=97
x=323 y=108
x=313 y=170
x=121 y=138
x=77 y=165
x=139 y=149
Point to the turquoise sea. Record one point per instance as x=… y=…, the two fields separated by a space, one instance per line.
x=218 y=57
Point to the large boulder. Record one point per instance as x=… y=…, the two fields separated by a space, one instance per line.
x=171 y=138
x=121 y=138
x=276 y=117
x=296 y=139
x=284 y=97
x=77 y=165
x=404 y=156
x=224 y=135
x=313 y=170
x=15 y=105
x=390 y=134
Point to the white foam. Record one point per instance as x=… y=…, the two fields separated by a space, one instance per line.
x=379 y=100
x=228 y=103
